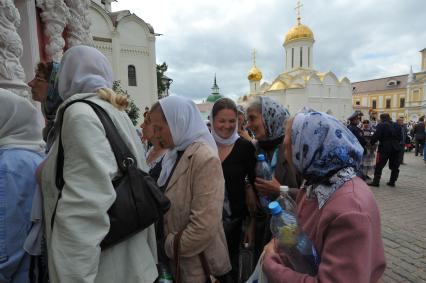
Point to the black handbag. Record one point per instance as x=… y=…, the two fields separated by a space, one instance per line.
x=139 y=202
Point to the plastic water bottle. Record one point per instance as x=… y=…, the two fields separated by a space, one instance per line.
x=285 y=201
x=164 y=275
x=295 y=247
x=263 y=171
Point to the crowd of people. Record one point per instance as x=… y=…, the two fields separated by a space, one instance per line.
x=52 y=229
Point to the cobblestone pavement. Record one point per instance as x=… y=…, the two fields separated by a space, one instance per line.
x=403 y=212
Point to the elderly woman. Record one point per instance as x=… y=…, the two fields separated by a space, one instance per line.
x=266 y=118
x=21 y=150
x=43 y=89
x=81 y=219
x=193 y=181
x=335 y=208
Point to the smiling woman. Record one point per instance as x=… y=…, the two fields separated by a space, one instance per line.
x=238 y=161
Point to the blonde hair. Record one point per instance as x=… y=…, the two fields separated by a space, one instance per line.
x=119 y=101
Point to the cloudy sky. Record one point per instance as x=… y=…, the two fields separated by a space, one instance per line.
x=359 y=39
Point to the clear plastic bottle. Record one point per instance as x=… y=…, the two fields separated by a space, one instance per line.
x=285 y=201
x=263 y=171
x=164 y=275
x=293 y=246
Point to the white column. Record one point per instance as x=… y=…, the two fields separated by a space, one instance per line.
x=78 y=23
x=28 y=33
x=12 y=74
x=55 y=15
x=153 y=63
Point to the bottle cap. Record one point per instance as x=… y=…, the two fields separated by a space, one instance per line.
x=283 y=189
x=261 y=157
x=275 y=208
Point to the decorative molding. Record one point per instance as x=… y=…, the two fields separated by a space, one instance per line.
x=54 y=15
x=103 y=47
x=12 y=74
x=78 y=23
x=134 y=51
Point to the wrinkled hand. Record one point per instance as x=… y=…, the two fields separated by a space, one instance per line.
x=244 y=134
x=270 y=248
x=268 y=188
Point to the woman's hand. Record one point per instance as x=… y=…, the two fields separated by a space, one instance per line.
x=250 y=234
x=244 y=134
x=251 y=200
x=268 y=188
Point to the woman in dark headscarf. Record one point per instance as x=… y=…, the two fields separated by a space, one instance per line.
x=335 y=208
x=267 y=118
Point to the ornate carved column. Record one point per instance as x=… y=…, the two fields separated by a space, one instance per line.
x=79 y=24
x=55 y=15
x=12 y=74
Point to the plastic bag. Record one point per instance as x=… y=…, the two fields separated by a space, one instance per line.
x=245 y=263
x=258 y=276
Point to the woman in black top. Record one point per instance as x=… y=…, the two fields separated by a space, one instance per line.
x=238 y=161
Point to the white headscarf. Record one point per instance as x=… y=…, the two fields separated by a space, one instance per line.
x=186 y=126
x=228 y=141
x=19 y=126
x=83 y=69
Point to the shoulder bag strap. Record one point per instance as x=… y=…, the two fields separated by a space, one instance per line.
x=121 y=152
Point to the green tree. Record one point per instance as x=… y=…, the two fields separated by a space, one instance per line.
x=132 y=111
x=162 y=84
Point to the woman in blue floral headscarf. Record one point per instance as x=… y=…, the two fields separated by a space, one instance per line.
x=335 y=208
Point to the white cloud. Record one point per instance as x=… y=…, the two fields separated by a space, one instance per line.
x=360 y=39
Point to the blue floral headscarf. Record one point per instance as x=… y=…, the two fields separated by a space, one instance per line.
x=325 y=152
x=322 y=145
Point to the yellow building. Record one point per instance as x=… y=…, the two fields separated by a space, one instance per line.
x=400 y=96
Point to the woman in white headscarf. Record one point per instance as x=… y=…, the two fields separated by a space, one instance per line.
x=81 y=219
x=21 y=150
x=193 y=181
x=238 y=162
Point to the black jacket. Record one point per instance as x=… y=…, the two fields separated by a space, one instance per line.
x=358 y=134
x=419 y=131
x=389 y=135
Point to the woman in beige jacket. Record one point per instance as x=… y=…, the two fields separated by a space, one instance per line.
x=193 y=181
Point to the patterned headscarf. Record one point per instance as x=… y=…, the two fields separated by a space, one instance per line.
x=325 y=152
x=274 y=117
x=322 y=145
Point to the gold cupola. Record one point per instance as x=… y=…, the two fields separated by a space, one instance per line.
x=299 y=31
x=254 y=74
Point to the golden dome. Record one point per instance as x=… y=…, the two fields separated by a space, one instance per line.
x=278 y=85
x=254 y=74
x=299 y=31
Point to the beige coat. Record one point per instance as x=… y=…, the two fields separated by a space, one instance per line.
x=81 y=220
x=196 y=191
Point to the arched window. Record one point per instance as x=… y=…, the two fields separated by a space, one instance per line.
x=131 y=74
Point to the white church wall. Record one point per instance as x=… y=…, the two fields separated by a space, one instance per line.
x=101 y=23
x=132 y=33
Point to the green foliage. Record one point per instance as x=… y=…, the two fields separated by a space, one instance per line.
x=162 y=85
x=132 y=111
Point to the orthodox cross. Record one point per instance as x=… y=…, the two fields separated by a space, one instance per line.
x=254 y=56
x=299 y=6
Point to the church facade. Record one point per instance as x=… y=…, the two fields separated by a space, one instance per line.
x=129 y=44
x=300 y=85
